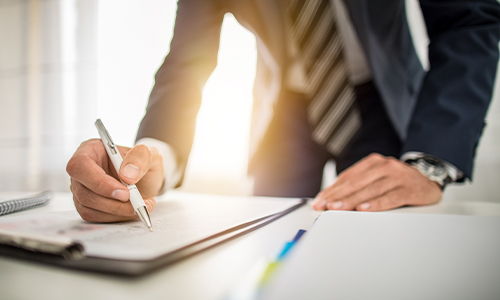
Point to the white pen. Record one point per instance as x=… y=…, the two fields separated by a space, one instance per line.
x=116 y=159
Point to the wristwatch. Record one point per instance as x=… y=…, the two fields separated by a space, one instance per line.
x=433 y=168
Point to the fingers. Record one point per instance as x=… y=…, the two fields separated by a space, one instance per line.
x=95 y=216
x=86 y=167
x=150 y=204
x=89 y=199
x=362 y=174
x=378 y=183
x=390 y=200
x=92 y=215
x=95 y=208
x=365 y=164
x=135 y=164
x=143 y=166
x=371 y=191
x=346 y=188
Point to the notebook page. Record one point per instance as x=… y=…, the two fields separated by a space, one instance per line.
x=176 y=223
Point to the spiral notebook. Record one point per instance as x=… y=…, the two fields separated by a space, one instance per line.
x=19 y=204
x=181 y=228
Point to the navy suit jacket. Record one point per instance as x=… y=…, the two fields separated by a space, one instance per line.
x=439 y=112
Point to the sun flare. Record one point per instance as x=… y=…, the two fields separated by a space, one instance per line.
x=220 y=150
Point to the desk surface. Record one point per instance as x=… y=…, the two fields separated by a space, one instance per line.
x=209 y=275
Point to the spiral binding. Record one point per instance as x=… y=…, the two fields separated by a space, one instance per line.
x=15 y=205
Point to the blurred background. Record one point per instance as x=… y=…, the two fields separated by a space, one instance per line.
x=64 y=63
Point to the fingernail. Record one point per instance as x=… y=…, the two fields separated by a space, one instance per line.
x=131 y=171
x=336 y=205
x=120 y=195
x=318 y=204
x=365 y=206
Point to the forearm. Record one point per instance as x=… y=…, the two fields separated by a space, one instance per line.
x=452 y=105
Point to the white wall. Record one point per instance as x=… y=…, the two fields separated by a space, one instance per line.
x=43 y=90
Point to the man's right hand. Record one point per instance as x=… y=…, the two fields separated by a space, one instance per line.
x=98 y=194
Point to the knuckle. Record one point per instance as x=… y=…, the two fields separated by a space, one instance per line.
x=101 y=187
x=87 y=215
x=339 y=179
x=75 y=189
x=91 y=142
x=376 y=157
x=142 y=150
x=73 y=164
x=77 y=164
x=391 y=161
x=85 y=200
x=140 y=155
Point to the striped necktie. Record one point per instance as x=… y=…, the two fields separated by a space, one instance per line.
x=331 y=110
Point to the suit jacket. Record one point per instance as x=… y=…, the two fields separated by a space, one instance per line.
x=440 y=112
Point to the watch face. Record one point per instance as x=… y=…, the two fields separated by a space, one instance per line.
x=433 y=169
x=437 y=172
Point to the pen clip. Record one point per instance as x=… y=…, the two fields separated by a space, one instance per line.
x=112 y=147
x=105 y=135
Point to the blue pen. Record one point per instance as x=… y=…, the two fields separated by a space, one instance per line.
x=258 y=278
x=272 y=266
x=289 y=245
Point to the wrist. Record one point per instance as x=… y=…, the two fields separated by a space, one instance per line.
x=435 y=169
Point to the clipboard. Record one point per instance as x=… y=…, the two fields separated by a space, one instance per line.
x=139 y=267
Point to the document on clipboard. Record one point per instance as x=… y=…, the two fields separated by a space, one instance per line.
x=182 y=228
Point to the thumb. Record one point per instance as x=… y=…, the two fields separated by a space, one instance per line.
x=136 y=163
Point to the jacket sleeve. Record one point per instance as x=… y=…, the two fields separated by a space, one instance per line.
x=175 y=99
x=463 y=53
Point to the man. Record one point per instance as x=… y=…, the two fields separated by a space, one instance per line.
x=335 y=80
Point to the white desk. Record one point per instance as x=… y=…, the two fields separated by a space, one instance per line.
x=208 y=275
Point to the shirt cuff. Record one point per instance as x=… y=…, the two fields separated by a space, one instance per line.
x=454 y=173
x=170 y=165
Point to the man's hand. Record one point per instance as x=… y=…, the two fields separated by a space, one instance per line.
x=98 y=194
x=378 y=183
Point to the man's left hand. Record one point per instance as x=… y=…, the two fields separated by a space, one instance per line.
x=378 y=183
